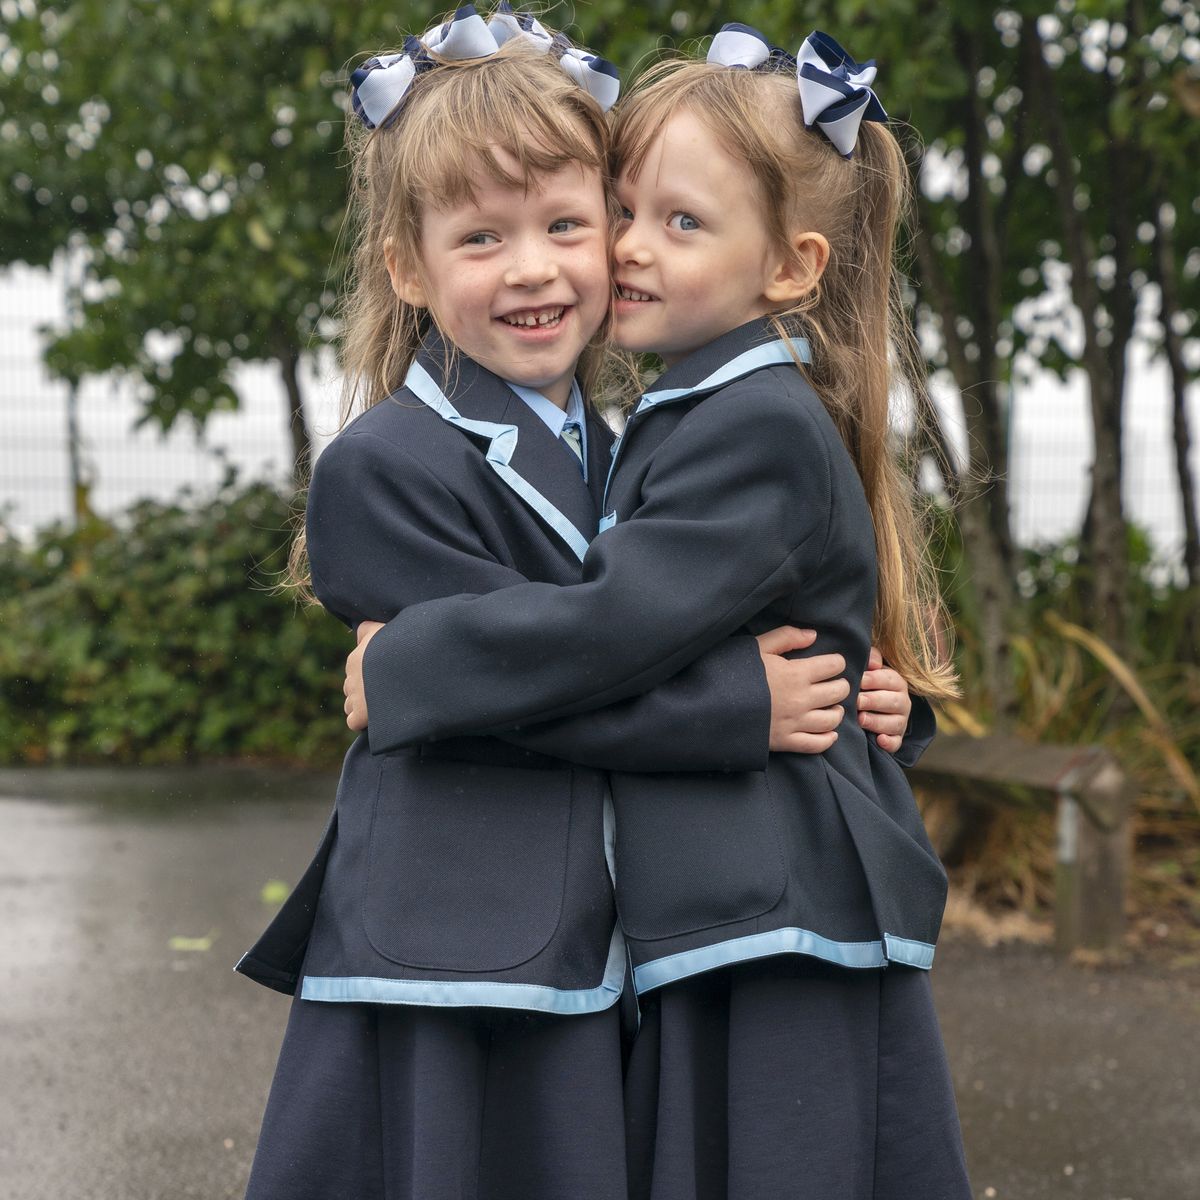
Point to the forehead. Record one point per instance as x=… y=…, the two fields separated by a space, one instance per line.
x=685 y=152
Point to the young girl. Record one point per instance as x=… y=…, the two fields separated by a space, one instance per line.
x=775 y=1057
x=453 y=946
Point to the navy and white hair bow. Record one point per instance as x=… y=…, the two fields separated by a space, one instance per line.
x=380 y=86
x=835 y=91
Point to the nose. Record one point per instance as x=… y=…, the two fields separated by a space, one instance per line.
x=630 y=246
x=532 y=265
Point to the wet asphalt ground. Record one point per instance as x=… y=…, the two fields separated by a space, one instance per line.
x=134 y=1063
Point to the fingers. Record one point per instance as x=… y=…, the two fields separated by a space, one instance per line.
x=882 y=693
x=892 y=725
x=821 y=720
x=367 y=629
x=822 y=695
x=803 y=743
x=874 y=659
x=890 y=744
x=785 y=638
x=355 y=706
x=820 y=667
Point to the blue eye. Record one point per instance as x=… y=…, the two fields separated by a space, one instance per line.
x=684 y=222
x=566 y=225
x=479 y=239
x=626 y=213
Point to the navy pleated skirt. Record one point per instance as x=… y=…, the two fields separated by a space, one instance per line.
x=786 y=1079
x=791 y=1079
x=391 y=1102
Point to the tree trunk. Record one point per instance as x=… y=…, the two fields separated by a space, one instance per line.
x=1105 y=546
x=289 y=365
x=1164 y=275
x=80 y=506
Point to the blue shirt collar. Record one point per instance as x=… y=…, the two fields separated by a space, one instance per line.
x=554 y=418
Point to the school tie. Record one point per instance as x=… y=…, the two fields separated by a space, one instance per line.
x=571 y=435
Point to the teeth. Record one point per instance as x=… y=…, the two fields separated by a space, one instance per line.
x=630 y=294
x=547 y=316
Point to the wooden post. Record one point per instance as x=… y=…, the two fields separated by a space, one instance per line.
x=1092 y=798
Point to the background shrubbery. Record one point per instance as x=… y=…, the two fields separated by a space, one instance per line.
x=163 y=637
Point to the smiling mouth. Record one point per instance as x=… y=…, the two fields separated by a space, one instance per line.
x=628 y=293
x=534 y=318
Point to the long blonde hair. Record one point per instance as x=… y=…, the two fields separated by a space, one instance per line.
x=862 y=344
x=518 y=101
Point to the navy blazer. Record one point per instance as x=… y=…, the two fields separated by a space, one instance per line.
x=732 y=505
x=473 y=871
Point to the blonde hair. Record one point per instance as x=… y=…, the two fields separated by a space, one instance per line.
x=862 y=342
x=455 y=120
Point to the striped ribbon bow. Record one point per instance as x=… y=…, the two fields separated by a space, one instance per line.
x=835 y=91
x=380 y=86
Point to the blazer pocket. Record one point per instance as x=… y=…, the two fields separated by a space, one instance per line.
x=695 y=851
x=466 y=863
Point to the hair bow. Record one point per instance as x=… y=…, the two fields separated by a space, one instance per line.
x=835 y=91
x=380 y=86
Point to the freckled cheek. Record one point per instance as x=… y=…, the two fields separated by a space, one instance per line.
x=593 y=277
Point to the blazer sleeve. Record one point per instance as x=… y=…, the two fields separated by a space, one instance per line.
x=734 y=510
x=384 y=532
x=922 y=728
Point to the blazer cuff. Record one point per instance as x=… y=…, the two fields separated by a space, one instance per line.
x=922 y=728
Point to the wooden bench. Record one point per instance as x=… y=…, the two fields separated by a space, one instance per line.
x=1093 y=800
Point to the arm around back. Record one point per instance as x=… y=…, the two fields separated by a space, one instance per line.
x=733 y=511
x=385 y=532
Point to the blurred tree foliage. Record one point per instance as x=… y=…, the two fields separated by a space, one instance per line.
x=185 y=153
x=164 y=639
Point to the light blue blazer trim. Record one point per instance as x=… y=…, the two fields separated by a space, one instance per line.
x=503 y=440
x=908 y=952
x=862 y=955
x=770 y=354
x=472 y=993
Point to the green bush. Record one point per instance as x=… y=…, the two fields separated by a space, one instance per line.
x=163 y=638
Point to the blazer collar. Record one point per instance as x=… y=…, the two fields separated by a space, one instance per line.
x=518 y=446
x=733 y=355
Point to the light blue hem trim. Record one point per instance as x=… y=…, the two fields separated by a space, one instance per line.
x=768 y=355
x=435 y=993
x=908 y=952
x=503 y=440
x=860 y=955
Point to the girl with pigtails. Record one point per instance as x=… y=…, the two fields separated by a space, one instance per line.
x=780 y=922
x=461 y=982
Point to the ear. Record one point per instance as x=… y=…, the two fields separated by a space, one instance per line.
x=405 y=284
x=797 y=276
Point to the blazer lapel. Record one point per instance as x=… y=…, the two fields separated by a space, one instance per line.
x=601 y=440
x=548 y=463
x=513 y=439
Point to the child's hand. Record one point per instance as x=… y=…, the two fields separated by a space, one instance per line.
x=805 y=692
x=884 y=704
x=355 y=707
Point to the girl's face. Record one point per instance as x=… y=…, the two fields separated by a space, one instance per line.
x=517 y=279
x=692 y=258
